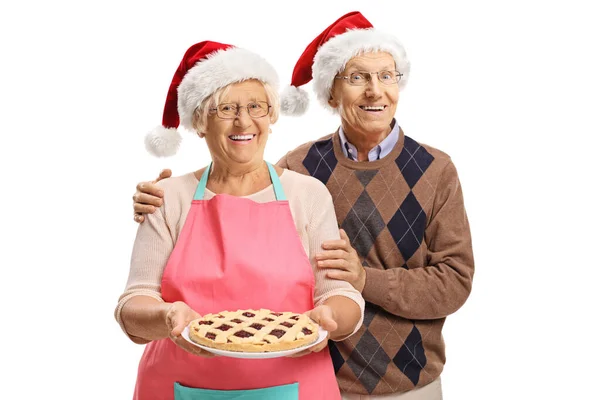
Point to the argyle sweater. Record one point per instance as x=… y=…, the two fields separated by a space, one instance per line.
x=404 y=215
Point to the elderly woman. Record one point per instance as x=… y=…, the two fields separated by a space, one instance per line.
x=238 y=234
x=406 y=242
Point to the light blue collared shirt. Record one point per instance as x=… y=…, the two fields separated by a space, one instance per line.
x=381 y=150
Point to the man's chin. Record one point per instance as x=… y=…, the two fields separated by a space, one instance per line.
x=376 y=125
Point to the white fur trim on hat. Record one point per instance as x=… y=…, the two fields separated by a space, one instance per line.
x=163 y=142
x=219 y=70
x=331 y=58
x=294 y=101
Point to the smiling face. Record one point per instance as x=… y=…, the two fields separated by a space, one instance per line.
x=242 y=139
x=367 y=110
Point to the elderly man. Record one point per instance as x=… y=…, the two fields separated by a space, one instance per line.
x=406 y=243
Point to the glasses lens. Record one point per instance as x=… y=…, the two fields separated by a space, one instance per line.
x=258 y=109
x=388 y=77
x=227 y=110
x=358 y=78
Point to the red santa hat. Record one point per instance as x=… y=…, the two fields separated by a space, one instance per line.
x=327 y=55
x=205 y=68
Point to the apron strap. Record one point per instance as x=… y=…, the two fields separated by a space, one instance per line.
x=279 y=194
x=201 y=188
x=199 y=195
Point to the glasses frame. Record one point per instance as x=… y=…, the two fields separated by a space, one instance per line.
x=238 y=108
x=347 y=77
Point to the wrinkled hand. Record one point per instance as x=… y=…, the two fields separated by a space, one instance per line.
x=323 y=316
x=178 y=317
x=342 y=261
x=148 y=196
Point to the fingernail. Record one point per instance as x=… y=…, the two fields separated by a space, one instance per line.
x=160 y=193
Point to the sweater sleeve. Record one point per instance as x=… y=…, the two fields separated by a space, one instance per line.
x=151 y=250
x=322 y=226
x=283 y=162
x=442 y=287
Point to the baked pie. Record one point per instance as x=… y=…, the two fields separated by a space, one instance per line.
x=254 y=330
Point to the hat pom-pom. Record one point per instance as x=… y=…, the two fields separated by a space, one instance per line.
x=163 y=142
x=294 y=101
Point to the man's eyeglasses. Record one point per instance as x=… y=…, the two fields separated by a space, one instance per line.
x=256 y=109
x=361 y=78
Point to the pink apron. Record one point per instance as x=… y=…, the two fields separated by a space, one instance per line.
x=234 y=253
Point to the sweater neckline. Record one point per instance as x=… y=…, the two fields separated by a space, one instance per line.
x=249 y=196
x=366 y=165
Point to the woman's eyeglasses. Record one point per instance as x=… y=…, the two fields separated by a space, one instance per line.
x=256 y=109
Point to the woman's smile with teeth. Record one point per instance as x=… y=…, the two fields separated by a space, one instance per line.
x=372 y=108
x=241 y=138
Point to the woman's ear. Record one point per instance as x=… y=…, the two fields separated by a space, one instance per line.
x=201 y=134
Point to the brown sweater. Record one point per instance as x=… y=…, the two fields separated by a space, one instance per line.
x=406 y=219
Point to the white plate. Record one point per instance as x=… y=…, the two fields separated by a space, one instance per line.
x=239 y=354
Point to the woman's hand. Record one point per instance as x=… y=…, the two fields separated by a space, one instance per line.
x=178 y=316
x=322 y=315
x=148 y=196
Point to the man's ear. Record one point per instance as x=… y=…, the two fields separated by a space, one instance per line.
x=332 y=102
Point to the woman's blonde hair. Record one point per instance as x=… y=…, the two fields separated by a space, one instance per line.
x=201 y=113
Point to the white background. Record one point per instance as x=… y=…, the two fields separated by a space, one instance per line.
x=508 y=89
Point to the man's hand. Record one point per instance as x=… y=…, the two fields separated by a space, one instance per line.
x=148 y=196
x=342 y=261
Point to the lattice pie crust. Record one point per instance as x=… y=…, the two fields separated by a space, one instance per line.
x=254 y=330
